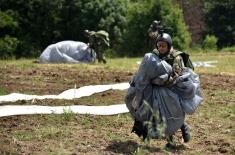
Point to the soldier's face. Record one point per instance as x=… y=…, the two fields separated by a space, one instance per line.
x=162 y=47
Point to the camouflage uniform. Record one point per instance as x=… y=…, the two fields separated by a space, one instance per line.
x=99 y=41
x=176 y=62
x=152 y=35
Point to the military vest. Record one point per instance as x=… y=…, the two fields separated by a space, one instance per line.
x=171 y=57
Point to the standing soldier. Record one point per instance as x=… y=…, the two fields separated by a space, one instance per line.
x=153 y=33
x=98 y=41
x=164 y=50
x=162 y=92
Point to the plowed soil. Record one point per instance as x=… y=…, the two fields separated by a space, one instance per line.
x=212 y=126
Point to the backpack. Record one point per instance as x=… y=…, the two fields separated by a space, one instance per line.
x=186 y=59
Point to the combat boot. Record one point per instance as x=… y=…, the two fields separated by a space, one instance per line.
x=104 y=61
x=153 y=133
x=185 y=132
x=170 y=145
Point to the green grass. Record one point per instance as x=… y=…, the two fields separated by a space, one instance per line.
x=24 y=135
x=46 y=132
x=86 y=121
x=60 y=151
x=113 y=136
x=228 y=49
x=2 y=91
x=226 y=63
x=23 y=63
x=232 y=110
x=68 y=114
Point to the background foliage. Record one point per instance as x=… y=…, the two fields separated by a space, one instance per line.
x=219 y=18
x=140 y=16
x=43 y=22
x=27 y=27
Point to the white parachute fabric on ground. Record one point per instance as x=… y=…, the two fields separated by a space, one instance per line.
x=68 y=52
x=68 y=94
x=11 y=110
x=205 y=63
x=13 y=97
x=89 y=90
x=198 y=63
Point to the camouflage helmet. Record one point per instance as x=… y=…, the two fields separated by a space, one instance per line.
x=103 y=35
x=165 y=38
x=86 y=31
x=156 y=23
x=89 y=33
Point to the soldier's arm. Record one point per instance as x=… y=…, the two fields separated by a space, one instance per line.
x=177 y=70
x=178 y=65
x=152 y=32
x=92 y=40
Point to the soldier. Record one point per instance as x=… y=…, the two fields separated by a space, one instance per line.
x=98 y=41
x=153 y=33
x=173 y=57
x=162 y=92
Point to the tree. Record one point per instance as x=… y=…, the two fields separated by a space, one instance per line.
x=8 y=26
x=105 y=14
x=219 y=18
x=43 y=22
x=140 y=16
x=37 y=20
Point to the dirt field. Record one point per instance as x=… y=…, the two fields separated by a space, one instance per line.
x=212 y=126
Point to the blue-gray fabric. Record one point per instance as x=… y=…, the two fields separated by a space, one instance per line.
x=169 y=102
x=68 y=52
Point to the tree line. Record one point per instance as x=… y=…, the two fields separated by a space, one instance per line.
x=29 y=26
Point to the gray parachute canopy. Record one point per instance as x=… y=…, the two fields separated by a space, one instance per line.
x=68 y=52
x=148 y=96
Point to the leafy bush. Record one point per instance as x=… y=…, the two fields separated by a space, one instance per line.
x=210 y=42
x=219 y=19
x=196 y=48
x=228 y=49
x=8 y=47
x=8 y=26
x=43 y=22
x=140 y=16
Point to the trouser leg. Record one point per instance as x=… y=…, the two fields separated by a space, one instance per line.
x=100 y=57
x=185 y=132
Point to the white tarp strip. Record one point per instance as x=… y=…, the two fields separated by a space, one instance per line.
x=204 y=63
x=68 y=94
x=199 y=63
x=10 y=110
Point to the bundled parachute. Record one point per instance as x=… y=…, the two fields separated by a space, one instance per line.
x=68 y=52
